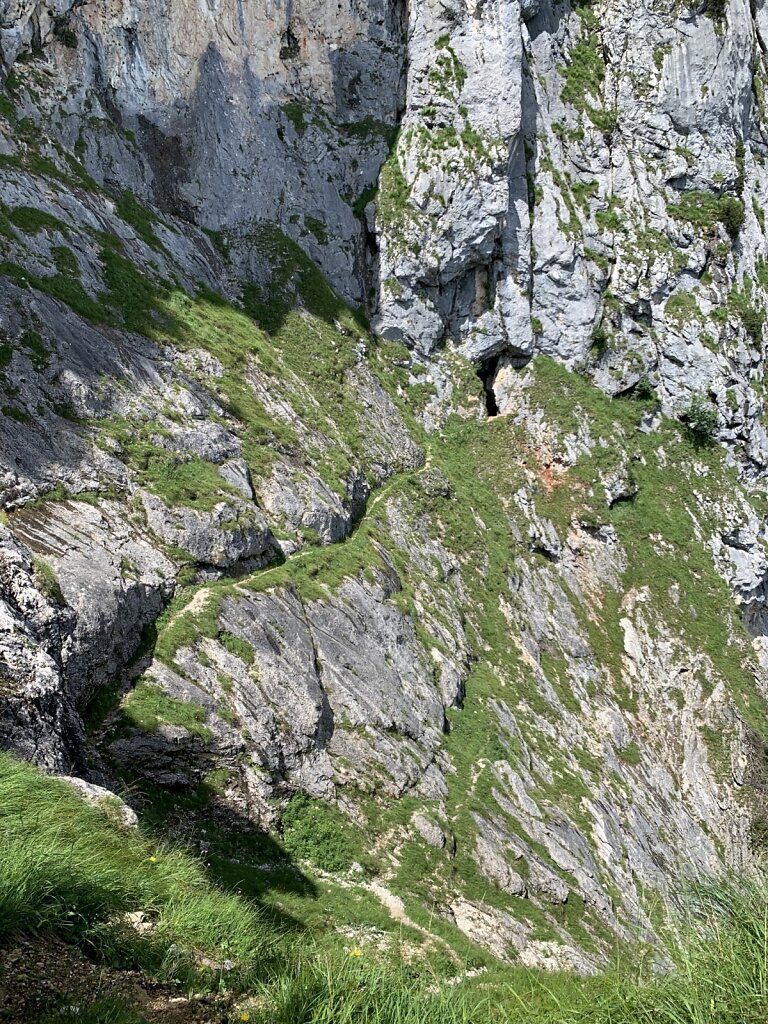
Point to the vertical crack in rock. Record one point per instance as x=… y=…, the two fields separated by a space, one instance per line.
x=325 y=721
x=486 y=371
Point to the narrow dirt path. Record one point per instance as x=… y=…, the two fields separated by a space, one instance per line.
x=396 y=909
x=196 y=604
x=309 y=552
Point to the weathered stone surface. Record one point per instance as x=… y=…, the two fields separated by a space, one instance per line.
x=429 y=831
x=231 y=532
x=104 y=799
x=528 y=210
x=101 y=586
x=113 y=582
x=339 y=693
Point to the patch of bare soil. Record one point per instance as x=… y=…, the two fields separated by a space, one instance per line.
x=42 y=978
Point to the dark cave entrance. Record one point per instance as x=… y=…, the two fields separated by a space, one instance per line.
x=486 y=371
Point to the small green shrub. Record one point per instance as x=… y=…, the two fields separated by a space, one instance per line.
x=315 y=832
x=608 y=220
x=317 y=228
x=701 y=419
x=36 y=348
x=236 y=646
x=600 y=338
x=731 y=214
x=644 y=391
x=751 y=314
x=296 y=113
x=716 y=9
x=13 y=412
x=47 y=581
x=704 y=210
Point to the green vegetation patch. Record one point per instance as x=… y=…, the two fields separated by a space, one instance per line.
x=394 y=210
x=314 y=831
x=193 y=482
x=48 y=581
x=31 y=220
x=147 y=707
x=66 y=869
x=704 y=211
x=664 y=474
x=236 y=646
x=585 y=74
x=448 y=74
x=140 y=218
x=748 y=309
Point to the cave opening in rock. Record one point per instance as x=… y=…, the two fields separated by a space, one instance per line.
x=486 y=371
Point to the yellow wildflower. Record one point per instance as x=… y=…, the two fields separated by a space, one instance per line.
x=245 y=1016
x=355 y=952
x=152 y=860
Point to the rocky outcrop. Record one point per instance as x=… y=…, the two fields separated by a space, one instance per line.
x=583 y=184
x=330 y=693
x=189 y=106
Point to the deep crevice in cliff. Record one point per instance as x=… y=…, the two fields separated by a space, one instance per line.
x=486 y=371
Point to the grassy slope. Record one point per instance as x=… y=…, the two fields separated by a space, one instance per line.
x=486 y=462
x=482 y=462
x=66 y=868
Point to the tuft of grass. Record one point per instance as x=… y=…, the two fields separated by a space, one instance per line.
x=47 y=581
x=236 y=646
x=701 y=420
x=193 y=482
x=704 y=211
x=97 y=1011
x=140 y=218
x=31 y=220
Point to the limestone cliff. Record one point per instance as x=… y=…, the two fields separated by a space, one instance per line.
x=382 y=421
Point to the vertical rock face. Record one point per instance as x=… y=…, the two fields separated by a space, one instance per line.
x=234 y=112
x=586 y=183
x=294 y=549
x=452 y=218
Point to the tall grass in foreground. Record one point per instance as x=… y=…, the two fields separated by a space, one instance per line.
x=720 y=952
x=718 y=948
x=65 y=868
